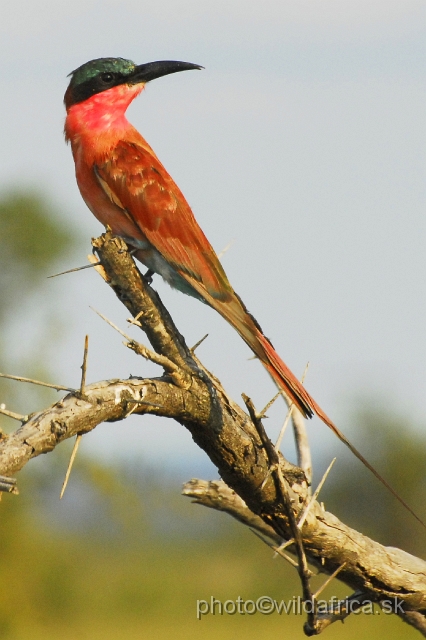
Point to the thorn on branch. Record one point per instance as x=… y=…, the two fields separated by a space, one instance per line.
x=262 y=414
x=98 y=266
x=137 y=403
x=197 y=344
x=278 y=550
x=82 y=395
x=12 y=414
x=42 y=384
x=86 y=266
x=170 y=367
x=315 y=496
x=329 y=579
x=135 y=320
x=70 y=464
x=284 y=545
x=132 y=409
x=255 y=417
x=84 y=368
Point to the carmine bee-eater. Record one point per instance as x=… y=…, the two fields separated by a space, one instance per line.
x=127 y=188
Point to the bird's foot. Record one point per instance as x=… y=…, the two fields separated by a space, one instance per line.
x=148 y=276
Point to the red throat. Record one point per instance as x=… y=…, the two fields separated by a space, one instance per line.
x=103 y=112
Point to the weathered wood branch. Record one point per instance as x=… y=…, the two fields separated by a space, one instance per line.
x=225 y=432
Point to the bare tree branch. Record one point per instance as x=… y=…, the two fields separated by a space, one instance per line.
x=227 y=434
x=216 y=494
x=304 y=458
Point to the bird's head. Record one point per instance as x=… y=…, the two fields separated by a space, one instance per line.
x=104 y=74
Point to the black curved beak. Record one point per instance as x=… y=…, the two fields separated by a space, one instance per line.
x=152 y=70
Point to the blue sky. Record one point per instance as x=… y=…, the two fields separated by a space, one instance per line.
x=303 y=141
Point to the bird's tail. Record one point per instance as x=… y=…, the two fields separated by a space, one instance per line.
x=235 y=312
x=248 y=328
x=283 y=376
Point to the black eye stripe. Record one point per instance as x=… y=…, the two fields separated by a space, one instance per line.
x=97 y=84
x=107 y=77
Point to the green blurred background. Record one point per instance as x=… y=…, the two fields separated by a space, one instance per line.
x=124 y=555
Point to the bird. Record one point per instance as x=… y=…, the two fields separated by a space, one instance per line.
x=126 y=187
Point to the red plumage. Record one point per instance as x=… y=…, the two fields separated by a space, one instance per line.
x=128 y=189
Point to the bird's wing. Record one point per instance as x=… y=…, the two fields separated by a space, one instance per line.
x=136 y=180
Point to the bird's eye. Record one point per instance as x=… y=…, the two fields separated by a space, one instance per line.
x=107 y=78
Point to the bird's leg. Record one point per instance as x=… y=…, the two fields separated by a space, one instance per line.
x=148 y=276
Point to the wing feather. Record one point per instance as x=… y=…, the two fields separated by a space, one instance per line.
x=136 y=181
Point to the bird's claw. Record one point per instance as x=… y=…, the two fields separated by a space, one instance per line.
x=148 y=276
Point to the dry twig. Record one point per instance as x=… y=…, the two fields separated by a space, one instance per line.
x=42 y=384
x=233 y=443
x=83 y=396
x=275 y=468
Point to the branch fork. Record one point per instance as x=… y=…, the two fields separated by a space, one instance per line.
x=279 y=510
